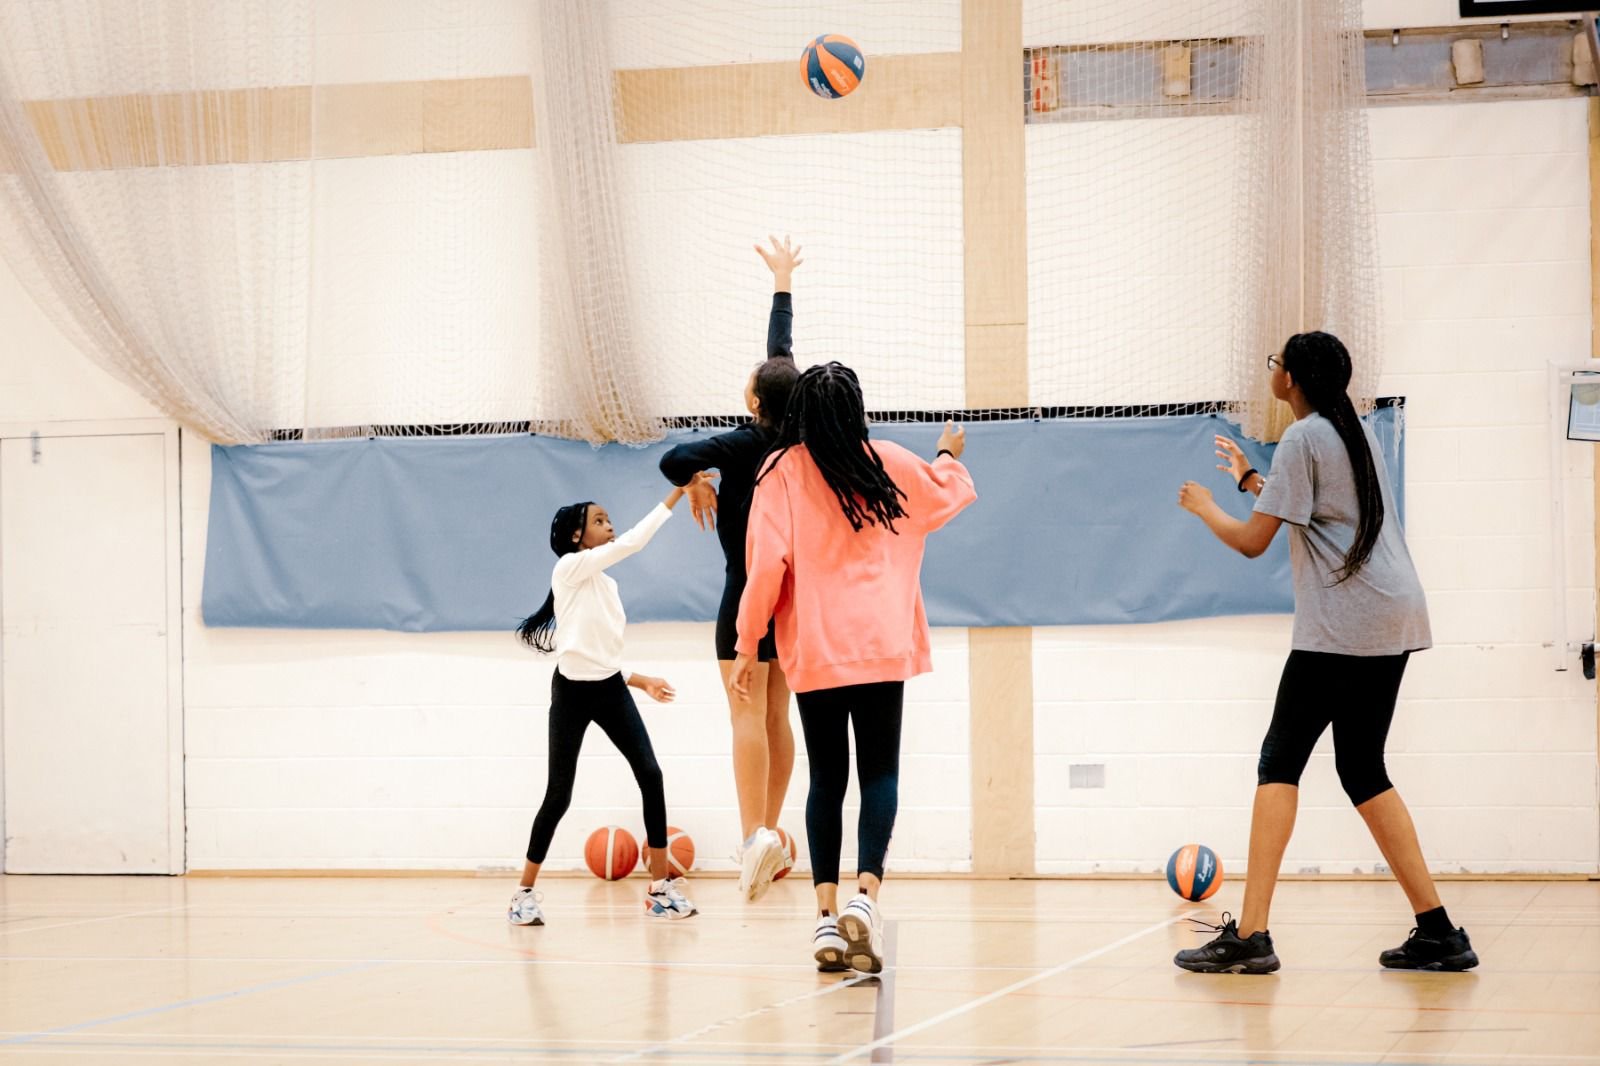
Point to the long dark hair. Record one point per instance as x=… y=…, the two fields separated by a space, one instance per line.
x=772 y=383
x=827 y=414
x=539 y=629
x=1319 y=363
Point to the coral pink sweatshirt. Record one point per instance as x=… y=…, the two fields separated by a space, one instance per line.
x=848 y=605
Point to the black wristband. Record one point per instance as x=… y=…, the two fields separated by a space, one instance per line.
x=1246 y=477
x=944 y=451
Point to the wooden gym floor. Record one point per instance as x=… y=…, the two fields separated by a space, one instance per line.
x=97 y=970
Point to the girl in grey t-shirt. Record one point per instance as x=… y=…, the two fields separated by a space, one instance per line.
x=1359 y=612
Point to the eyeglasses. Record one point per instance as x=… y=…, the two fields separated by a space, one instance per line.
x=1273 y=362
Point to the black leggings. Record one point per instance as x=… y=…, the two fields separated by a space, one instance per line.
x=1353 y=692
x=608 y=704
x=826 y=716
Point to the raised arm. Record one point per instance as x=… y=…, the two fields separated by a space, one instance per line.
x=581 y=566
x=683 y=461
x=781 y=259
x=1285 y=497
x=940 y=490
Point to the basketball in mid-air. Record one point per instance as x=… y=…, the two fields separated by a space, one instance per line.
x=833 y=66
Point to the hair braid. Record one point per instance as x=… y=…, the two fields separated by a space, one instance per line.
x=539 y=628
x=827 y=414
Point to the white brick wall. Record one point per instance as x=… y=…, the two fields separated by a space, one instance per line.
x=1483 y=228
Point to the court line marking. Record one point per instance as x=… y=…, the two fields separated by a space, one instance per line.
x=92 y=921
x=669 y=964
x=1015 y=986
x=765 y=1049
x=883 y=1009
x=165 y=1008
x=1088 y=1055
x=664 y=1047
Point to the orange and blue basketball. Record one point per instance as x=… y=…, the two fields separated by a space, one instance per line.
x=833 y=66
x=1194 y=872
x=611 y=853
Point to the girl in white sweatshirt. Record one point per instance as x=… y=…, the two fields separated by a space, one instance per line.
x=590 y=685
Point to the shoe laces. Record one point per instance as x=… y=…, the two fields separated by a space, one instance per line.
x=1227 y=920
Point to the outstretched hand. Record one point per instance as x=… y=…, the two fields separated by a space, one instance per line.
x=1234 y=464
x=781 y=259
x=953 y=439
x=703 y=500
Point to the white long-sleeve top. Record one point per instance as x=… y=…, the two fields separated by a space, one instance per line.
x=589 y=614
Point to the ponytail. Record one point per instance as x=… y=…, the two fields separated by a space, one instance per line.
x=538 y=630
x=1320 y=364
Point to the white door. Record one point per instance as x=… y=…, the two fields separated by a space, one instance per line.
x=88 y=742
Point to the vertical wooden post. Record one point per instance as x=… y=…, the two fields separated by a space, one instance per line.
x=995 y=214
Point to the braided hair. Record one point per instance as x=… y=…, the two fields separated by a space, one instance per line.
x=827 y=414
x=1319 y=363
x=539 y=628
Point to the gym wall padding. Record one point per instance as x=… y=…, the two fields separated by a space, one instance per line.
x=1077 y=522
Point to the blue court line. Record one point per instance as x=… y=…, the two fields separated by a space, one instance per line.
x=166 y=1008
x=989 y=1055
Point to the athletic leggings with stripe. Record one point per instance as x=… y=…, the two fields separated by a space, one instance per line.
x=827 y=717
x=608 y=704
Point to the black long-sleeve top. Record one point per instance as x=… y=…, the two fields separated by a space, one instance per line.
x=737 y=453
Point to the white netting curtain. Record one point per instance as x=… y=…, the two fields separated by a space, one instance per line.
x=137 y=202
x=325 y=217
x=871 y=185
x=330 y=217
x=1198 y=190
x=1308 y=250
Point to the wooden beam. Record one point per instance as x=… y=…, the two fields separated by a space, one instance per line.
x=284 y=123
x=994 y=211
x=917 y=91
x=900 y=92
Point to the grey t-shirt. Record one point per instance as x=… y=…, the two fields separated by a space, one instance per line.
x=1381 y=610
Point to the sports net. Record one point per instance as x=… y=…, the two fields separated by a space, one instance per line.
x=337 y=217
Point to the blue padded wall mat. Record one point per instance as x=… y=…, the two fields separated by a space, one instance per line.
x=1077 y=522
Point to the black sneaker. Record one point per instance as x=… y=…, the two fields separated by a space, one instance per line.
x=1228 y=953
x=1452 y=954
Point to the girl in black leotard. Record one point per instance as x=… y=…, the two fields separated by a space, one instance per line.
x=763 y=741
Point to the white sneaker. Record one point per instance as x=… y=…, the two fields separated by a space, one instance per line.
x=664 y=900
x=524 y=909
x=863 y=934
x=828 y=947
x=759 y=862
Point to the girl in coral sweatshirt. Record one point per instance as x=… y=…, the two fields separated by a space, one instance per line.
x=834 y=554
